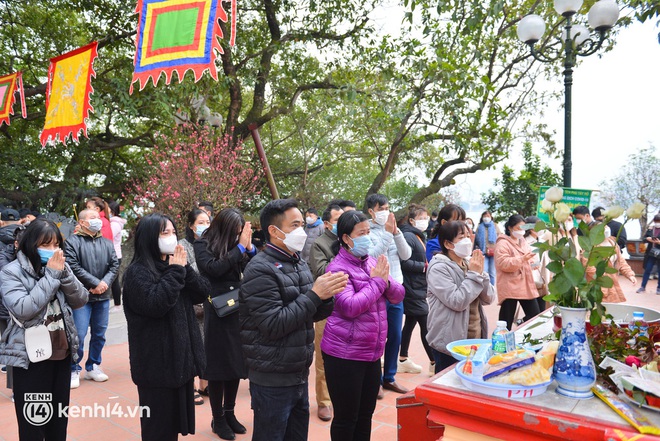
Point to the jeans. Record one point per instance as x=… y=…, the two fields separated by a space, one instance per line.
x=280 y=413
x=394 y=322
x=648 y=269
x=489 y=267
x=95 y=316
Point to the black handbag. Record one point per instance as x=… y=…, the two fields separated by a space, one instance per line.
x=226 y=303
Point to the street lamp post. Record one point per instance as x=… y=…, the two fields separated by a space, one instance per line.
x=575 y=40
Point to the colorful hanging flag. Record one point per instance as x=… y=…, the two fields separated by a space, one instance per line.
x=177 y=36
x=9 y=85
x=68 y=93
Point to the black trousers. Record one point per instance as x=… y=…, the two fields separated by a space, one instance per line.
x=353 y=387
x=45 y=377
x=222 y=390
x=116 y=289
x=508 y=310
x=406 y=334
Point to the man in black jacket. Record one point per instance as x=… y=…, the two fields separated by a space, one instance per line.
x=278 y=304
x=93 y=261
x=614 y=227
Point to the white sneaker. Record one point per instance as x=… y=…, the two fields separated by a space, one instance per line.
x=408 y=366
x=75 y=380
x=96 y=374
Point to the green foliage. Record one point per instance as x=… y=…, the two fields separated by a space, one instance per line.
x=519 y=194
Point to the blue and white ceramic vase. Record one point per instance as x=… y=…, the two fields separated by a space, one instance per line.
x=574 y=368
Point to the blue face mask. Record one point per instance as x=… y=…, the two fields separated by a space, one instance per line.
x=361 y=246
x=199 y=229
x=45 y=255
x=334 y=229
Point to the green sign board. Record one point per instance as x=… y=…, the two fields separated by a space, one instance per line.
x=572 y=197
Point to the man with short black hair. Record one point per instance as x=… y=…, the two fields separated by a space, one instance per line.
x=313 y=228
x=615 y=226
x=581 y=214
x=344 y=204
x=278 y=304
x=320 y=256
x=387 y=239
x=206 y=207
x=93 y=261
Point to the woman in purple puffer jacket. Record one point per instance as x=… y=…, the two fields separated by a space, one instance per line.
x=354 y=337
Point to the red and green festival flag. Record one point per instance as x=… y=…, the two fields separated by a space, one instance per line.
x=9 y=85
x=68 y=94
x=177 y=36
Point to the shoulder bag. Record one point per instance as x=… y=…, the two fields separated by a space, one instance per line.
x=226 y=303
x=37 y=340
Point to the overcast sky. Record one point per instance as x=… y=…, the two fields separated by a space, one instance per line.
x=616 y=101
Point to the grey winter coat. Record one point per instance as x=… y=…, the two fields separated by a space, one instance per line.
x=26 y=295
x=450 y=293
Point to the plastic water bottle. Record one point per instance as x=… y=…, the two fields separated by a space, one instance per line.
x=638 y=322
x=499 y=343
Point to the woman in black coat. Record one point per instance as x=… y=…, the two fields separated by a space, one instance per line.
x=164 y=342
x=221 y=255
x=415 y=305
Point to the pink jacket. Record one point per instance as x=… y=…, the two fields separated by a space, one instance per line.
x=357 y=328
x=514 y=279
x=615 y=293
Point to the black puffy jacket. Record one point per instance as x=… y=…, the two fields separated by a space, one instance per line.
x=7 y=234
x=414 y=273
x=92 y=260
x=277 y=311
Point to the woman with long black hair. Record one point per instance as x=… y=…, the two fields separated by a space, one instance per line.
x=222 y=253
x=164 y=341
x=40 y=288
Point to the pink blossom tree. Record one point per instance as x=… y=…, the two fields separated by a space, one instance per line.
x=193 y=164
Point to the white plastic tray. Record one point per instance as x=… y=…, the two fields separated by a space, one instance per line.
x=499 y=390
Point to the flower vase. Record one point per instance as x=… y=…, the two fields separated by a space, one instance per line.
x=574 y=367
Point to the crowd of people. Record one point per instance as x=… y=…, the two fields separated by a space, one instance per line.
x=223 y=301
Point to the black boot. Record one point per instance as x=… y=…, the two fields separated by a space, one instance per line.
x=233 y=423
x=219 y=427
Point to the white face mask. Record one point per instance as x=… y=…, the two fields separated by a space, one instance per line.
x=380 y=217
x=657 y=224
x=309 y=220
x=167 y=244
x=463 y=248
x=518 y=234
x=295 y=240
x=421 y=224
x=486 y=219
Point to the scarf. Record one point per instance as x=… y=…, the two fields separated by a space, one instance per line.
x=481 y=235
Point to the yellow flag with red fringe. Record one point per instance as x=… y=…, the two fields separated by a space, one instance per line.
x=68 y=93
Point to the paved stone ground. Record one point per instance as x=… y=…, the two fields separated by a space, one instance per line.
x=120 y=391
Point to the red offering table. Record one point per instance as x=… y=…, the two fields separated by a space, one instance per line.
x=467 y=415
